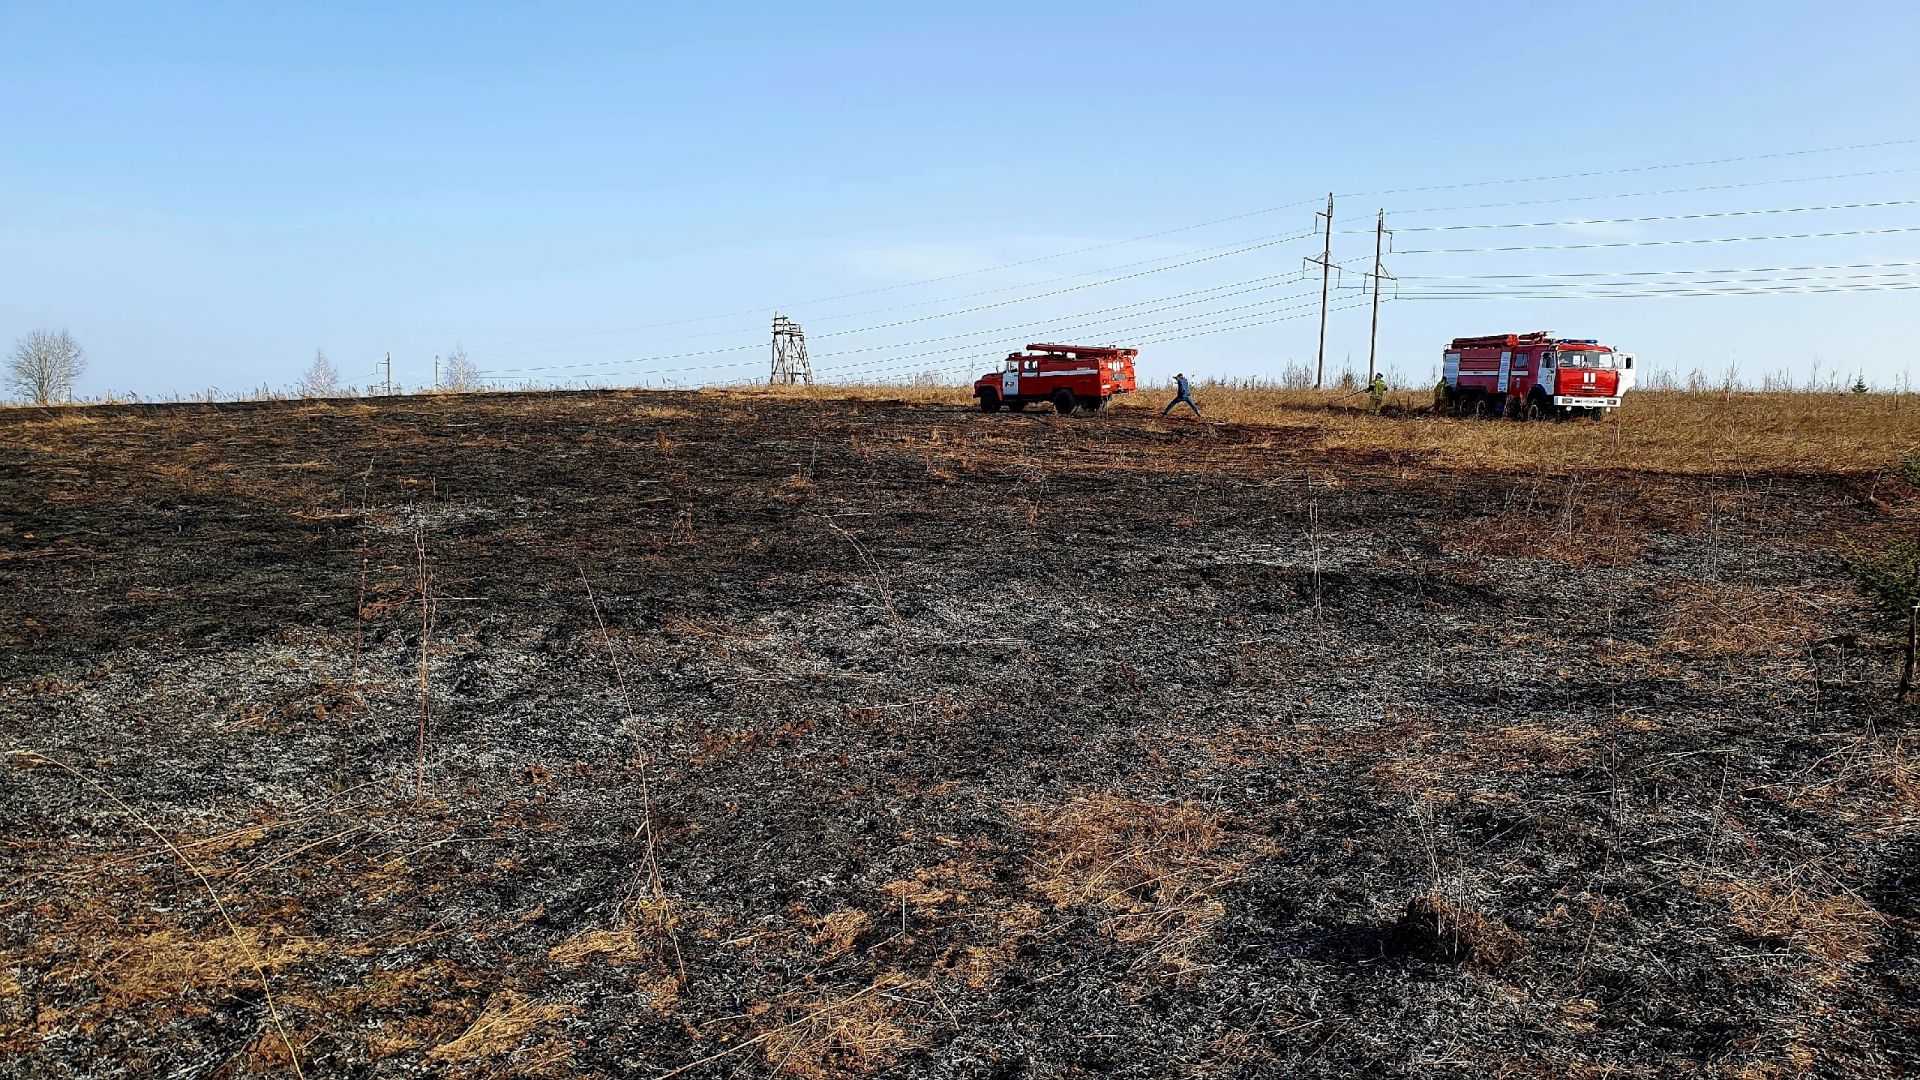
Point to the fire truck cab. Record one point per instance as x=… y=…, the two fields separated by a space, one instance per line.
x=1531 y=376
x=1070 y=376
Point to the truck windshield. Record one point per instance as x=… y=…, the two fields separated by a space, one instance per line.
x=1587 y=358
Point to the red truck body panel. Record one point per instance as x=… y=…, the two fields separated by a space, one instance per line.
x=1088 y=375
x=1535 y=370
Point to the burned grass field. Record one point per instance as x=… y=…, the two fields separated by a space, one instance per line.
x=720 y=735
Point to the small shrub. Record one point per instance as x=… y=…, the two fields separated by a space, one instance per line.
x=1891 y=578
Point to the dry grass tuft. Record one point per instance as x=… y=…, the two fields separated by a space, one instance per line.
x=1150 y=868
x=501 y=1026
x=161 y=965
x=1834 y=930
x=840 y=929
x=606 y=946
x=841 y=1035
x=1739 y=620
x=949 y=882
x=1434 y=926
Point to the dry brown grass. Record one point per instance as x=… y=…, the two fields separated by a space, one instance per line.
x=159 y=966
x=502 y=1025
x=841 y=1034
x=1436 y=925
x=1148 y=870
x=1833 y=930
x=1739 y=620
x=1665 y=431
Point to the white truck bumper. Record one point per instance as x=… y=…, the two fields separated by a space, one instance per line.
x=1586 y=402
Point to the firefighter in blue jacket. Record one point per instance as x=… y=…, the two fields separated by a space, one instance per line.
x=1185 y=393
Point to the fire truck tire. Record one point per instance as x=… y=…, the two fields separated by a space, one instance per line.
x=1064 y=402
x=1094 y=404
x=1538 y=407
x=989 y=401
x=1482 y=408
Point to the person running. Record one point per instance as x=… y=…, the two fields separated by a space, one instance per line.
x=1184 y=392
x=1377 y=393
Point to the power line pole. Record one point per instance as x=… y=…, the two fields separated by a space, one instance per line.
x=790 y=363
x=1373 y=335
x=1326 y=274
x=389 y=366
x=436 y=371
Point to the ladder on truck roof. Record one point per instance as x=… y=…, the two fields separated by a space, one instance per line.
x=1083 y=350
x=1504 y=341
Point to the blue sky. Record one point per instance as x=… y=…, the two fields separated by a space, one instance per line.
x=205 y=195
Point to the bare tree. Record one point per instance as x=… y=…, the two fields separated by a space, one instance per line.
x=44 y=366
x=460 y=375
x=320 y=380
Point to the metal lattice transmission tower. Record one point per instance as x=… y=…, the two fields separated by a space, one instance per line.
x=790 y=363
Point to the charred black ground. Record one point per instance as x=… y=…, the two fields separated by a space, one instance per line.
x=964 y=746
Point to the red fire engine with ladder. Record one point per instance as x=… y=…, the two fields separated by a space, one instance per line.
x=1531 y=376
x=1070 y=376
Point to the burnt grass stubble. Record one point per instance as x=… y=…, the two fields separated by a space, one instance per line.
x=1463 y=820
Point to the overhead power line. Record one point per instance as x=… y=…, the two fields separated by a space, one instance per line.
x=1686 y=283
x=1654 y=273
x=582 y=366
x=1639 y=168
x=1622 y=292
x=1406 y=212
x=987 y=341
x=760 y=309
x=795 y=304
x=1645 y=218
x=984 y=338
x=1176 y=258
x=1662 y=243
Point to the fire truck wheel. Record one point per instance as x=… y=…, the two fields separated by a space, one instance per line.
x=1481 y=407
x=1063 y=402
x=1094 y=404
x=989 y=402
x=1537 y=407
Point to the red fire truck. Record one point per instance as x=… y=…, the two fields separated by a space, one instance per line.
x=1530 y=376
x=1070 y=376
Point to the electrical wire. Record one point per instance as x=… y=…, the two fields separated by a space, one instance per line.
x=998 y=338
x=932 y=280
x=985 y=339
x=1214 y=221
x=1405 y=212
x=1242 y=245
x=1662 y=243
x=1641 y=220
x=1694 y=282
x=1656 y=273
x=1599 y=292
x=1199 y=332
x=949 y=314
x=1638 y=168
